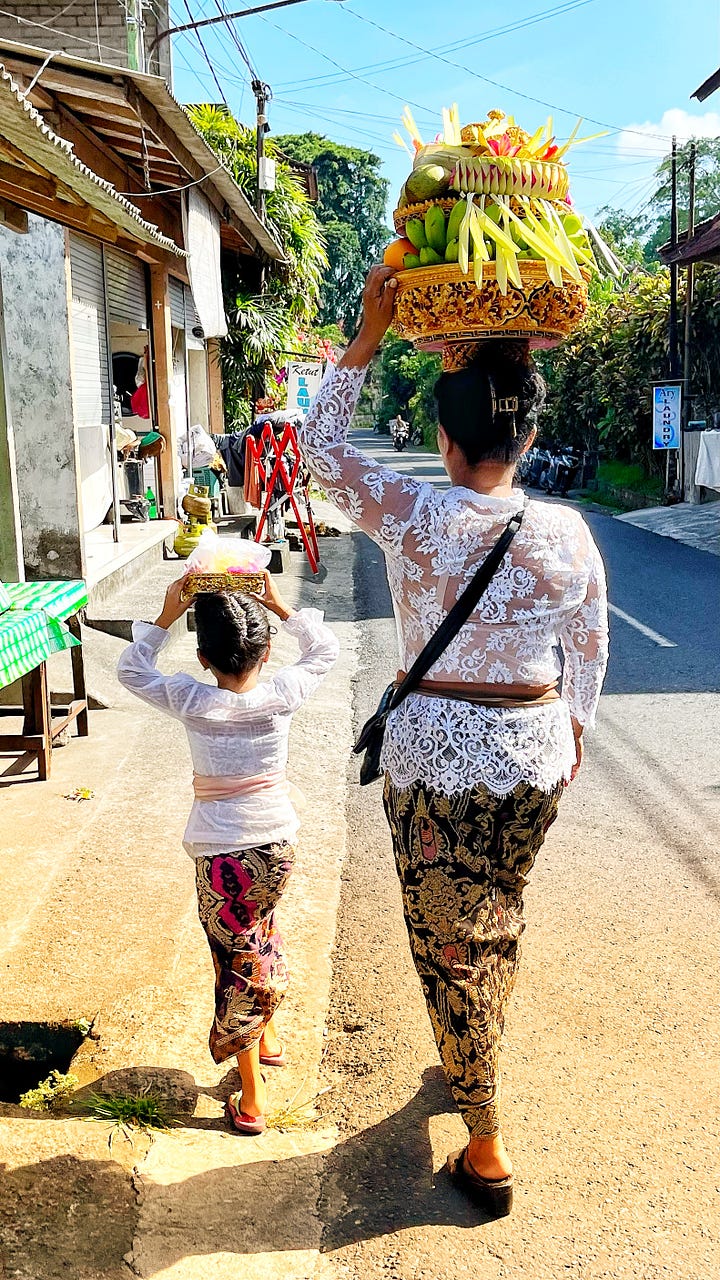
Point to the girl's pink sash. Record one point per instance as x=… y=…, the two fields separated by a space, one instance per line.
x=228 y=787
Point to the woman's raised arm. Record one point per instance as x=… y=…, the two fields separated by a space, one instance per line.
x=377 y=498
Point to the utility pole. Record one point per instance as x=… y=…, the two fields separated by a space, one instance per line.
x=689 y=292
x=263 y=95
x=673 y=325
x=135 y=36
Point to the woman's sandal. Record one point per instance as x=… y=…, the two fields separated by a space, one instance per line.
x=244 y=1123
x=493 y=1196
x=274 y=1059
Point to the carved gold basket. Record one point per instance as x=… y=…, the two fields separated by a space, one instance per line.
x=440 y=307
x=204 y=583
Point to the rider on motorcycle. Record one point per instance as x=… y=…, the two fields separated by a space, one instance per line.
x=400 y=432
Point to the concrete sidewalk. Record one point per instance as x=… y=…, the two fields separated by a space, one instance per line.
x=696 y=526
x=99 y=917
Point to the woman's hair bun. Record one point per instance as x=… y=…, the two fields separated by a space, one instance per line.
x=470 y=402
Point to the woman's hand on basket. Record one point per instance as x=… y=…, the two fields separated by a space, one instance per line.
x=174 y=606
x=272 y=599
x=378 y=301
x=578 y=732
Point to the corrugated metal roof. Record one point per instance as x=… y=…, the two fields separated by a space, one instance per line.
x=23 y=126
x=702 y=246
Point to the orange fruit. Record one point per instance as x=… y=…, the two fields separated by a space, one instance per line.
x=395 y=253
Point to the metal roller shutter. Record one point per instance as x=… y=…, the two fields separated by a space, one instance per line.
x=91 y=381
x=177 y=303
x=126 y=286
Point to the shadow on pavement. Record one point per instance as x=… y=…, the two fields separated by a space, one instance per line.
x=382 y=1177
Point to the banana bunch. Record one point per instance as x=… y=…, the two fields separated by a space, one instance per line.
x=429 y=235
x=491 y=230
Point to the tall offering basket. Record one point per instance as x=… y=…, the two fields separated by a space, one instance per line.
x=489 y=244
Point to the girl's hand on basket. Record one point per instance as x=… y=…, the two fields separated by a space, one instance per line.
x=378 y=301
x=174 y=606
x=272 y=599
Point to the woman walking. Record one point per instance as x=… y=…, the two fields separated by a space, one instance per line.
x=477 y=757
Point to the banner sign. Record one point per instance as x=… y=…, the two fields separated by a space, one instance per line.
x=304 y=378
x=666 y=415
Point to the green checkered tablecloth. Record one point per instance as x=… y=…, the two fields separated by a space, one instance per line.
x=59 y=599
x=27 y=638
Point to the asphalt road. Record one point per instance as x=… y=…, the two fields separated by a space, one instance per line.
x=613 y=1041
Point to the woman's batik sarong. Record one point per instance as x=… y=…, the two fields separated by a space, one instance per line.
x=237 y=896
x=463 y=862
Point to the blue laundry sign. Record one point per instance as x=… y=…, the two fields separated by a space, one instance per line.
x=303 y=385
x=667 y=411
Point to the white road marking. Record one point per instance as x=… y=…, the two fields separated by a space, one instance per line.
x=655 y=636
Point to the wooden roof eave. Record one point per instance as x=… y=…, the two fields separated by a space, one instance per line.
x=703 y=245
x=40 y=173
x=135 y=105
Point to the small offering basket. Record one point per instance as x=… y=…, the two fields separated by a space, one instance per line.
x=197 y=584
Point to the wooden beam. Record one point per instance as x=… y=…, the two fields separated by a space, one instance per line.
x=82 y=84
x=24 y=180
x=154 y=121
x=108 y=164
x=163 y=369
x=95 y=110
x=18 y=157
x=79 y=218
x=13 y=217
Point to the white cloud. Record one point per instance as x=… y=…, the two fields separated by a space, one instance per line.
x=639 y=139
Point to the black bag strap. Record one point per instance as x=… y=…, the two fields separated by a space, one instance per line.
x=458 y=615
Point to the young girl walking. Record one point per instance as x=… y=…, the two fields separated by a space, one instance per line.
x=242 y=825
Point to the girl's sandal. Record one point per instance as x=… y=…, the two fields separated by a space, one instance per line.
x=274 y=1059
x=251 y=1125
x=493 y=1196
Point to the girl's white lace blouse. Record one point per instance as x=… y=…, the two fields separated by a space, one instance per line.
x=235 y=734
x=548 y=592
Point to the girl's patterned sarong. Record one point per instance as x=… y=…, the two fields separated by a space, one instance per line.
x=237 y=896
x=463 y=862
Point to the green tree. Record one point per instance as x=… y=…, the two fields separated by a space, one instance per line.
x=352 y=197
x=406 y=380
x=263 y=323
x=599 y=379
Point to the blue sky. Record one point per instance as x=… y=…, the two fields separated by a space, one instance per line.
x=629 y=64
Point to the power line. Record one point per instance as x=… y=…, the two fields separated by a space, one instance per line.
x=205 y=56
x=237 y=41
x=495 y=83
x=395 y=64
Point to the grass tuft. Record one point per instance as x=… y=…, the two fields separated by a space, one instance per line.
x=129 y=1113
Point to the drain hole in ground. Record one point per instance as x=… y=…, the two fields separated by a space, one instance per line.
x=29 y=1051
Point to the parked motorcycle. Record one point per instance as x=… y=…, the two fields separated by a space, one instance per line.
x=533 y=466
x=560 y=475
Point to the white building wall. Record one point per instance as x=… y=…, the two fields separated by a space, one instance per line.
x=39 y=388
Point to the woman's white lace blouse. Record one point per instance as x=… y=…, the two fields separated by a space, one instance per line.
x=549 y=592
x=243 y=735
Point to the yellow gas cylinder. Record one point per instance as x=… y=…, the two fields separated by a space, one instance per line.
x=197 y=507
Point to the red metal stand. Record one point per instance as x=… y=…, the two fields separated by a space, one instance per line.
x=285 y=453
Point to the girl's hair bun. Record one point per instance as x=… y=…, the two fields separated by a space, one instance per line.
x=233 y=632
